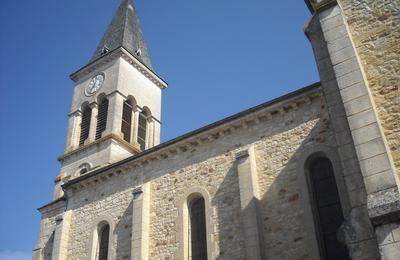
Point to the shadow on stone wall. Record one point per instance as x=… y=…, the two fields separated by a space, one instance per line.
x=122 y=231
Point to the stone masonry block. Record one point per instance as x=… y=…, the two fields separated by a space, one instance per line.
x=370 y=149
x=362 y=119
x=379 y=181
x=384 y=234
x=357 y=105
x=344 y=137
x=374 y=165
x=354 y=181
x=346 y=67
x=332 y=22
x=354 y=91
x=349 y=79
x=336 y=33
x=329 y=13
x=329 y=86
x=390 y=251
x=366 y=133
x=338 y=44
x=342 y=55
x=396 y=232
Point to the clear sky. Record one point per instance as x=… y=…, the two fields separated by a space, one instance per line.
x=219 y=57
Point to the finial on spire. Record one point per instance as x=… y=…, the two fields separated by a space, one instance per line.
x=124 y=31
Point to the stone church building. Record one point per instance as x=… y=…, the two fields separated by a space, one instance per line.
x=313 y=174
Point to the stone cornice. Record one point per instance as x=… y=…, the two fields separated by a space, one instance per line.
x=262 y=113
x=58 y=203
x=316 y=6
x=119 y=53
x=114 y=137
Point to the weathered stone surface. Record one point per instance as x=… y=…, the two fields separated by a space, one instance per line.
x=375 y=30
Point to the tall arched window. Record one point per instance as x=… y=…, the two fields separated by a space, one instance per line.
x=126 y=126
x=197 y=230
x=104 y=234
x=85 y=125
x=102 y=118
x=328 y=214
x=142 y=129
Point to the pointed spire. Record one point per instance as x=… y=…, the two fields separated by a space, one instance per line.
x=124 y=31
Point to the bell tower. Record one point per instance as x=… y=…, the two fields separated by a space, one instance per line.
x=116 y=105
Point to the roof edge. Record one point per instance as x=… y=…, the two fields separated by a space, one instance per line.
x=195 y=132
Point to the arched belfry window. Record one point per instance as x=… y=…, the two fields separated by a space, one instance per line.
x=126 y=127
x=85 y=125
x=142 y=129
x=102 y=118
x=327 y=209
x=197 y=229
x=103 y=242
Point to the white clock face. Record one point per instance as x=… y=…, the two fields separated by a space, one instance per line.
x=94 y=85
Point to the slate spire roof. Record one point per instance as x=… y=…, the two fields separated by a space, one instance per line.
x=124 y=31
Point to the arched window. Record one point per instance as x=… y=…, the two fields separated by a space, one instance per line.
x=102 y=118
x=327 y=209
x=142 y=129
x=104 y=234
x=197 y=230
x=85 y=125
x=126 y=126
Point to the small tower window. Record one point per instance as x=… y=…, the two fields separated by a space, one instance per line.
x=126 y=126
x=85 y=126
x=142 y=129
x=328 y=213
x=102 y=118
x=104 y=235
x=198 y=231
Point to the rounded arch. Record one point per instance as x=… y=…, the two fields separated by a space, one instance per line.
x=101 y=97
x=83 y=168
x=309 y=157
x=146 y=111
x=131 y=101
x=84 y=106
x=183 y=205
x=98 y=227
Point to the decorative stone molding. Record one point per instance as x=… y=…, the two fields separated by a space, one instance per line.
x=131 y=147
x=137 y=192
x=319 y=5
x=259 y=114
x=115 y=54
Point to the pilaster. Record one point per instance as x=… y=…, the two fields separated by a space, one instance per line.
x=141 y=222
x=93 y=122
x=74 y=130
x=251 y=222
x=61 y=236
x=114 y=115
x=354 y=118
x=135 y=123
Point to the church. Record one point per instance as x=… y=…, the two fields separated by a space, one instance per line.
x=313 y=174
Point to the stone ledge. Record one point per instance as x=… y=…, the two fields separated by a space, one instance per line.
x=384 y=206
x=316 y=6
x=130 y=147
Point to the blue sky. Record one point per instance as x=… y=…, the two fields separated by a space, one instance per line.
x=219 y=57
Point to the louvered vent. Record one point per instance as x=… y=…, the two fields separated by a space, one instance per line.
x=102 y=118
x=142 y=130
x=127 y=121
x=85 y=126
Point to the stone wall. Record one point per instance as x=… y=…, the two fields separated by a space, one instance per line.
x=281 y=135
x=375 y=29
x=278 y=145
x=278 y=140
x=103 y=201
